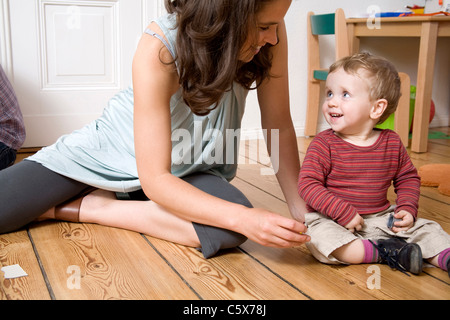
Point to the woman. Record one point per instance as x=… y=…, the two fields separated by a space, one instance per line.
x=191 y=73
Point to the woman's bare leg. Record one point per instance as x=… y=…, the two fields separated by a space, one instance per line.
x=102 y=207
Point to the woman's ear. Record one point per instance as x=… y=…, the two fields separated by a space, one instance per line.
x=378 y=109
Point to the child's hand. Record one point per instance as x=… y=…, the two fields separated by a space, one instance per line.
x=406 y=223
x=356 y=224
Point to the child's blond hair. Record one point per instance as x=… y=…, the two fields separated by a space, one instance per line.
x=385 y=79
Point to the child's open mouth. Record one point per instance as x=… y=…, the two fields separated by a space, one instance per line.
x=336 y=115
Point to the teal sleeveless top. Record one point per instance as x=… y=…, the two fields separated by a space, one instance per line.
x=102 y=153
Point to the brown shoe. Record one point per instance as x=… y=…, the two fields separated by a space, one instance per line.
x=70 y=210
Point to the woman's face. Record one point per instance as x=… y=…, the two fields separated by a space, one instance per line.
x=267 y=19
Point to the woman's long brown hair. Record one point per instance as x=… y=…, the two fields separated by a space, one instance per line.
x=211 y=35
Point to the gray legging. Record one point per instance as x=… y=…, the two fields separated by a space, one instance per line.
x=28 y=189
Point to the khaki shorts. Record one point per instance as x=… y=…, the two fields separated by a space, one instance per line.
x=327 y=235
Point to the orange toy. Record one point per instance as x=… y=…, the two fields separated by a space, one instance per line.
x=436 y=175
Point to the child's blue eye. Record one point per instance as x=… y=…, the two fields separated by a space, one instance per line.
x=329 y=94
x=346 y=95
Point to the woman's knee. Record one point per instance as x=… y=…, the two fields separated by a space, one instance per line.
x=218 y=187
x=214 y=239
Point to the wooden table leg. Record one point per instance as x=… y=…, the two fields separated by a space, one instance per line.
x=402 y=114
x=354 y=41
x=428 y=40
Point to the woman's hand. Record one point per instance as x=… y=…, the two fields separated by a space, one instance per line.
x=273 y=230
x=406 y=223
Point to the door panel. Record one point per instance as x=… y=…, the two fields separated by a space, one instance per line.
x=70 y=57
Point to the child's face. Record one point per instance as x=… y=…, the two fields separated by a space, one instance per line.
x=347 y=107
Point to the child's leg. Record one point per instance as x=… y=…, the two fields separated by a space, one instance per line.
x=442 y=260
x=357 y=252
x=352 y=253
x=327 y=237
x=433 y=240
x=394 y=252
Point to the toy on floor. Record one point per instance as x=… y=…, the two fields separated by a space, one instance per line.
x=436 y=175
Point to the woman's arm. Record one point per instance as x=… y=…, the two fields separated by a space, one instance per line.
x=154 y=83
x=273 y=96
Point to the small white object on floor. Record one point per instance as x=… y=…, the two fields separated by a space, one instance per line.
x=14 y=271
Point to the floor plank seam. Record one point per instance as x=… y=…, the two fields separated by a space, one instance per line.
x=437 y=200
x=441 y=280
x=41 y=266
x=172 y=267
x=260 y=189
x=275 y=274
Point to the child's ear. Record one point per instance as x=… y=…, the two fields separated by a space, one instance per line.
x=378 y=108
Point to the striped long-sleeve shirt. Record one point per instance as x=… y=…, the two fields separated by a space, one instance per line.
x=339 y=179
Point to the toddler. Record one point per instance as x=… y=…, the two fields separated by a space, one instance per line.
x=349 y=168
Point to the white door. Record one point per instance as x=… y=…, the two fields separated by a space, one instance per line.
x=68 y=58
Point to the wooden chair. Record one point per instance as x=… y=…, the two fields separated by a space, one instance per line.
x=322 y=24
x=401 y=115
x=329 y=24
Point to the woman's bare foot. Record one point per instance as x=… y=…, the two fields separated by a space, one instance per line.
x=94 y=200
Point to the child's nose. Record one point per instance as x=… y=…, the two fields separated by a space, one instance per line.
x=332 y=103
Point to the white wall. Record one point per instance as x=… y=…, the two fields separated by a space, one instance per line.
x=403 y=52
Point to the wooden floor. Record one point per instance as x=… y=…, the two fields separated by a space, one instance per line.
x=85 y=261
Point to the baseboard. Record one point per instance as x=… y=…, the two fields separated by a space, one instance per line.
x=440 y=122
